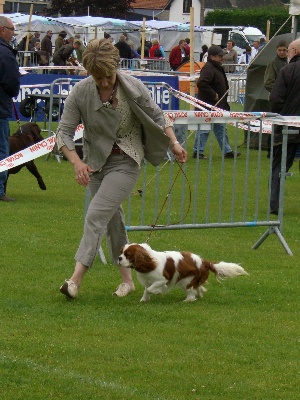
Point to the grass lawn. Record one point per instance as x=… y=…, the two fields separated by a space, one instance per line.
x=241 y=341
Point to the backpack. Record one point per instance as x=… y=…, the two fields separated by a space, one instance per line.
x=157 y=52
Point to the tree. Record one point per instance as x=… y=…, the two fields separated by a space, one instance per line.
x=257 y=17
x=96 y=8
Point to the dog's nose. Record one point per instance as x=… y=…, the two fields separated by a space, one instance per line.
x=120 y=258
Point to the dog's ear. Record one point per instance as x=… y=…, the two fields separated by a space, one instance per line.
x=143 y=262
x=36 y=132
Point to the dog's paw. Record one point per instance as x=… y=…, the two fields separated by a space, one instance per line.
x=189 y=299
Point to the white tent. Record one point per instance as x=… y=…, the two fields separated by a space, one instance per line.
x=169 y=33
x=92 y=27
x=38 y=23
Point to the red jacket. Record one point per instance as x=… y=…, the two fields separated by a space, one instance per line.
x=175 y=57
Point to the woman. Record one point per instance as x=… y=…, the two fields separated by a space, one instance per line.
x=156 y=50
x=230 y=57
x=123 y=125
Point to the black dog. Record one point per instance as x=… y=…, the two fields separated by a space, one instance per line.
x=29 y=134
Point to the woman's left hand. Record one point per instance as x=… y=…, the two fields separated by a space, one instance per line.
x=179 y=153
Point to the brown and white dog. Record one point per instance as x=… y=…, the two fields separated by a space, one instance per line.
x=159 y=272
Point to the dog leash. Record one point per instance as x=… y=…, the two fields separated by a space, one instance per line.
x=166 y=198
x=17 y=116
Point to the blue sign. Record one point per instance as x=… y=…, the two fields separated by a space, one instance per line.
x=39 y=84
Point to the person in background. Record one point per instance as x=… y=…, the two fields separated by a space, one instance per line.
x=134 y=54
x=46 y=48
x=203 y=54
x=156 y=50
x=262 y=43
x=123 y=126
x=36 y=38
x=23 y=41
x=178 y=55
x=62 y=55
x=284 y=100
x=254 y=51
x=187 y=47
x=272 y=72
x=123 y=47
x=60 y=40
x=146 y=50
x=275 y=65
x=46 y=44
x=246 y=57
x=81 y=48
x=9 y=88
x=213 y=89
x=108 y=36
x=230 y=57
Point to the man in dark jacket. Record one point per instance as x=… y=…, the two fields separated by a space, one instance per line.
x=123 y=47
x=213 y=89
x=46 y=44
x=9 y=88
x=61 y=56
x=284 y=99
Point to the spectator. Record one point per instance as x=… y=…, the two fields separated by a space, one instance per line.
x=178 y=55
x=254 y=51
x=81 y=48
x=9 y=88
x=213 y=89
x=123 y=47
x=246 y=57
x=187 y=47
x=284 y=99
x=36 y=38
x=272 y=72
x=22 y=43
x=62 y=55
x=275 y=65
x=46 y=51
x=46 y=44
x=262 y=43
x=60 y=40
x=146 y=50
x=156 y=50
x=203 y=54
x=134 y=54
x=230 y=57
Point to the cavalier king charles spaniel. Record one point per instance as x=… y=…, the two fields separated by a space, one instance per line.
x=159 y=272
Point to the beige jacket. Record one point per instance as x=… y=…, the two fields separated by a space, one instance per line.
x=83 y=105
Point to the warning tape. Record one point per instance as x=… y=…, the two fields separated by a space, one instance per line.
x=36 y=150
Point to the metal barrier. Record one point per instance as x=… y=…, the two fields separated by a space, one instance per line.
x=27 y=58
x=146 y=63
x=205 y=193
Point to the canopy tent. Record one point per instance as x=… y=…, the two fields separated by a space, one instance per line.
x=92 y=27
x=169 y=33
x=38 y=23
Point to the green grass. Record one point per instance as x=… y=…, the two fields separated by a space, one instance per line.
x=241 y=341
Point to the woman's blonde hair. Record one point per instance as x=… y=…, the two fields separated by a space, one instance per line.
x=101 y=58
x=154 y=42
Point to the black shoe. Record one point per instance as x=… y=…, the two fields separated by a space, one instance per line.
x=274 y=212
x=200 y=156
x=6 y=198
x=231 y=154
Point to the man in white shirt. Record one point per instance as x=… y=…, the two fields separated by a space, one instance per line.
x=254 y=51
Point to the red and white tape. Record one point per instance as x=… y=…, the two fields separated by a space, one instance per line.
x=36 y=150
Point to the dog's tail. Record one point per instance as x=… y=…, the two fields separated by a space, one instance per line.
x=225 y=270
